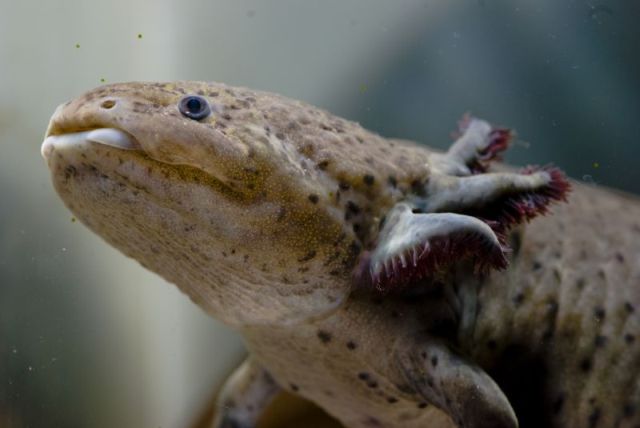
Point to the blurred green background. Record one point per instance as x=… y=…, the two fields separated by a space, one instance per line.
x=90 y=339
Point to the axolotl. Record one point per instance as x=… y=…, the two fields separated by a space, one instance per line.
x=391 y=284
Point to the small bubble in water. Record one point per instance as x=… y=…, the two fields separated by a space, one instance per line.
x=587 y=178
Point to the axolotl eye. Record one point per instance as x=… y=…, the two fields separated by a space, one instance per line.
x=194 y=107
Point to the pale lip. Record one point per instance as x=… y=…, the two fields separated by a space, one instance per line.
x=107 y=136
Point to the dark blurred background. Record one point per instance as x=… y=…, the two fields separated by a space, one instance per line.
x=90 y=339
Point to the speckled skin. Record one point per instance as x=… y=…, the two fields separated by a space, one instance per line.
x=259 y=214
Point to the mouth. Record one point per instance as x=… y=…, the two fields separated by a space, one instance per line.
x=88 y=151
x=106 y=136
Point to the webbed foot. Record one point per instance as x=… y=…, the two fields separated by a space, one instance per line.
x=457 y=386
x=412 y=246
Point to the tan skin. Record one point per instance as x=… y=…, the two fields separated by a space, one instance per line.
x=285 y=222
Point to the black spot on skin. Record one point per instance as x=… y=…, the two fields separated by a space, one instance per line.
x=422 y=405
x=70 y=171
x=599 y=313
x=600 y=341
x=406 y=389
x=363 y=376
x=294 y=387
x=354 y=248
x=368 y=179
x=322 y=165
x=594 y=417
x=418 y=188
x=629 y=307
x=629 y=338
x=424 y=355
x=324 y=336
x=619 y=257
x=492 y=345
x=580 y=283
x=344 y=185
x=518 y=299
x=536 y=265
x=585 y=365
x=393 y=182
x=310 y=255
x=353 y=208
x=351 y=345
x=372 y=384
x=392 y=400
x=434 y=361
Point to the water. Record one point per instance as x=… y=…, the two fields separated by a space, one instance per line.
x=87 y=337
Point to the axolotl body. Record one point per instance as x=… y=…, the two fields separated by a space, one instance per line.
x=391 y=284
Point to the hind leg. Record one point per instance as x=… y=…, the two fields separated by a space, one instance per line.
x=244 y=396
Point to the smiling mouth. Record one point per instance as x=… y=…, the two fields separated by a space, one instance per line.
x=122 y=140
x=106 y=136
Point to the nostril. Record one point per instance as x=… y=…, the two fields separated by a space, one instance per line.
x=107 y=104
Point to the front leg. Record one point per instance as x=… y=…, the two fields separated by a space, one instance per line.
x=244 y=396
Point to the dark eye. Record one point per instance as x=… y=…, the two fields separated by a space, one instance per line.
x=194 y=107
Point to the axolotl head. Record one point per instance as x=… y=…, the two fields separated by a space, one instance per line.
x=265 y=210
x=215 y=189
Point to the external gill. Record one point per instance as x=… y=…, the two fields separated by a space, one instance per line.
x=463 y=215
x=478 y=143
x=413 y=246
